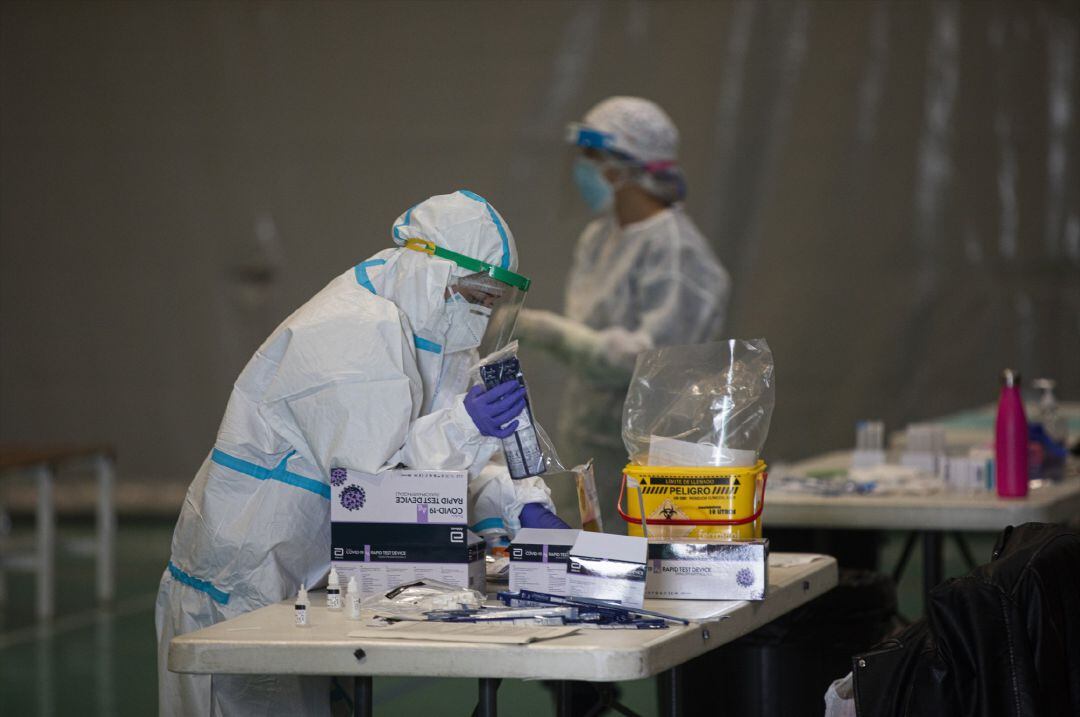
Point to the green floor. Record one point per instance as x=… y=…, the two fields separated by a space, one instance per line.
x=91 y=661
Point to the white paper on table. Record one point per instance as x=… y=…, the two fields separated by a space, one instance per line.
x=497 y=633
x=787 y=560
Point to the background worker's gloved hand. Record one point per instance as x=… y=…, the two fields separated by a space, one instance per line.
x=606 y=356
x=536 y=515
x=619 y=347
x=491 y=409
x=537 y=327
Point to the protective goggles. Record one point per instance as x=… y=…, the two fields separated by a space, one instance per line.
x=490 y=289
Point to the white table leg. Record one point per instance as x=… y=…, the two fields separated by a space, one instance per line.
x=106 y=530
x=46 y=543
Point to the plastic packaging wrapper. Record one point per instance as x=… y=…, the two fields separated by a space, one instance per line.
x=840 y=698
x=588 y=499
x=702 y=405
x=410 y=601
x=528 y=451
x=497 y=567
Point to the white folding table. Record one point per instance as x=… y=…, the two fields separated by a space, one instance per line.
x=930 y=516
x=266 y=641
x=44 y=462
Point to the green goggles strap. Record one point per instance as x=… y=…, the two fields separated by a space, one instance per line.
x=467 y=262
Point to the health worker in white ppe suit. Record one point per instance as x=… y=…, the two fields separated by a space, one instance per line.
x=370 y=374
x=642 y=276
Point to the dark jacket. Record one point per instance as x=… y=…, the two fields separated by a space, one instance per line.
x=1003 y=640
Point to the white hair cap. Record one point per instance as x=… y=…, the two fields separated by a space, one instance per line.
x=639 y=128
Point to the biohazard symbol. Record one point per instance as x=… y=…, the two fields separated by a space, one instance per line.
x=668 y=511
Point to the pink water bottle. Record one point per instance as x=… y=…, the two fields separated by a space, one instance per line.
x=1011 y=439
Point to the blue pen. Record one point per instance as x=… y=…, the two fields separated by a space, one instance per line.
x=616 y=611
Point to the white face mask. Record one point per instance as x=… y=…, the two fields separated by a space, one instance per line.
x=467 y=324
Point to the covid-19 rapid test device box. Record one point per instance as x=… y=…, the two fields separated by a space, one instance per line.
x=684 y=569
x=538 y=558
x=607 y=567
x=403 y=525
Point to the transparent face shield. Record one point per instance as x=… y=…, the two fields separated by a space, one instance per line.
x=498 y=302
x=585 y=137
x=492 y=295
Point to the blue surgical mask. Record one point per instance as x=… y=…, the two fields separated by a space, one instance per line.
x=594 y=188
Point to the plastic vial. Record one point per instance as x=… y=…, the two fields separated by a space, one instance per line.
x=301 y=607
x=333 y=592
x=1011 y=439
x=354 y=599
x=869 y=444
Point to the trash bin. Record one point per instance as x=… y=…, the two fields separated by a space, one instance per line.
x=785 y=667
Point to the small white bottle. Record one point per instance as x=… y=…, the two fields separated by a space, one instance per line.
x=333 y=592
x=301 y=607
x=354 y=599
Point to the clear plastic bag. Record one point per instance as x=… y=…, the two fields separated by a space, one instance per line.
x=528 y=451
x=702 y=405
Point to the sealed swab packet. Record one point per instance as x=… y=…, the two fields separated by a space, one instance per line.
x=528 y=450
x=410 y=601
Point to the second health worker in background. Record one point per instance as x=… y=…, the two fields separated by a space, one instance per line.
x=643 y=276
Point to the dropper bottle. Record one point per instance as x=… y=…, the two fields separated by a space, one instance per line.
x=1011 y=439
x=301 y=607
x=333 y=592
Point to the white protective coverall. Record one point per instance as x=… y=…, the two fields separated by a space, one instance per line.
x=651 y=283
x=355 y=378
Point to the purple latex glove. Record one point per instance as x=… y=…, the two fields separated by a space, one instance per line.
x=491 y=409
x=535 y=515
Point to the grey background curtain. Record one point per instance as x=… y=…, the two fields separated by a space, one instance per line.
x=895 y=188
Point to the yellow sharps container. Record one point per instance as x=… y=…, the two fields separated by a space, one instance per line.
x=680 y=502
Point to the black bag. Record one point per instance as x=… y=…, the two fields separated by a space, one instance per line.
x=1003 y=640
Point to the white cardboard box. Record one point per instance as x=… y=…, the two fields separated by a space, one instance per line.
x=401 y=526
x=685 y=569
x=382 y=556
x=538 y=559
x=401 y=496
x=608 y=567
